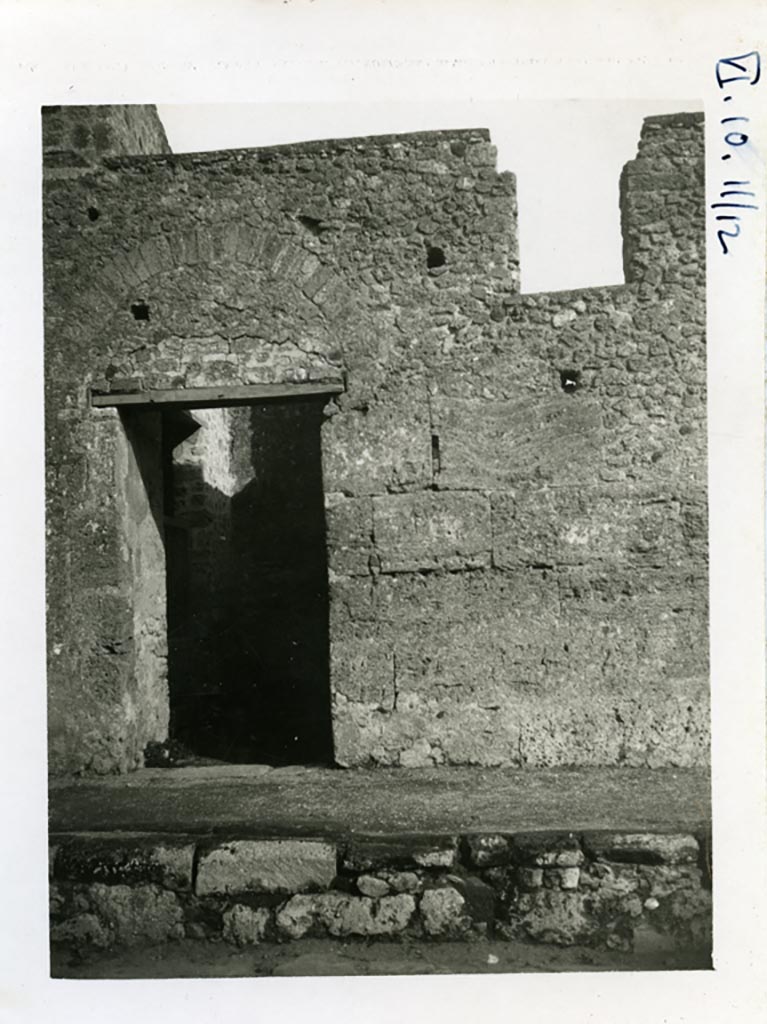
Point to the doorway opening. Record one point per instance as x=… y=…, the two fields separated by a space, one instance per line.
x=246 y=557
x=246 y=576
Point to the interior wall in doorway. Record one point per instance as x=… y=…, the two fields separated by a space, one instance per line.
x=248 y=593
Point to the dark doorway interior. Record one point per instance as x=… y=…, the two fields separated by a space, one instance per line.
x=247 y=583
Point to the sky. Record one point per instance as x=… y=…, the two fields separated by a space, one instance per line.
x=567 y=156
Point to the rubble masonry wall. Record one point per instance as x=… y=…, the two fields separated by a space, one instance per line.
x=514 y=484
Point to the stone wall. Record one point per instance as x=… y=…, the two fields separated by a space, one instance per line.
x=110 y=671
x=144 y=702
x=514 y=484
x=638 y=892
x=660 y=208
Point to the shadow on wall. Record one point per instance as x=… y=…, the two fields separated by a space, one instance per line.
x=248 y=608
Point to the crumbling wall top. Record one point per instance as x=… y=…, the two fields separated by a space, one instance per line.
x=451 y=140
x=80 y=136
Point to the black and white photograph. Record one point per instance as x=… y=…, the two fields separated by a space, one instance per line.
x=377 y=583
x=380 y=574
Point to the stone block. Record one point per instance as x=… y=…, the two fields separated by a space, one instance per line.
x=371 y=886
x=491 y=445
x=643 y=848
x=387 y=448
x=366 y=853
x=546 y=849
x=550 y=915
x=340 y=914
x=539 y=525
x=484 y=851
x=438 y=858
x=137 y=914
x=165 y=861
x=362 y=670
x=429 y=530
x=404 y=881
x=244 y=925
x=595 y=722
x=349 y=524
x=443 y=912
x=266 y=865
x=411 y=603
x=296 y=917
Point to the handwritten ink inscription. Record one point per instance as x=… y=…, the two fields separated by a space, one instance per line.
x=731 y=74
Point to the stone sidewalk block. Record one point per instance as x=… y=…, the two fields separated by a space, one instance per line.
x=266 y=865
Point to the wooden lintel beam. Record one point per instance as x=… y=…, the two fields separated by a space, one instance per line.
x=237 y=394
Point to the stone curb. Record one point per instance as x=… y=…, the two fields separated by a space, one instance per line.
x=601 y=888
x=282 y=863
